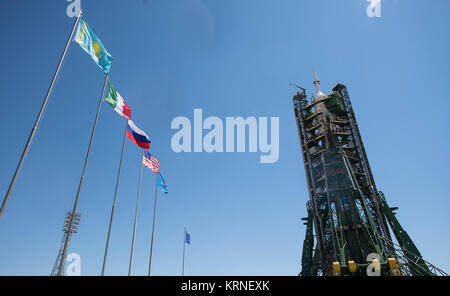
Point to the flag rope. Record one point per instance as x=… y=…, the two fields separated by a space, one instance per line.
x=114 y=200
x=184 y=249
x=135 y=217
x=66 y=243
x=153 y=228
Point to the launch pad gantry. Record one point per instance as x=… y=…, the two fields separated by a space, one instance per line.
x=347 y=227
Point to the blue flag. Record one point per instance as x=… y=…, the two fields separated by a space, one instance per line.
x=93 y=46
x=188 y=238
x=162 y=184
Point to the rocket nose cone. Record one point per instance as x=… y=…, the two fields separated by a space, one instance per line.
x=317 y=83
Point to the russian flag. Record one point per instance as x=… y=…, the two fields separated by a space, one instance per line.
x=137 y=136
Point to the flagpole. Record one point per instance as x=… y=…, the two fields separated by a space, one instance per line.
x=114 y=200
x=41 y=112
x=66 y=243
x=184 y=247
x=153 y=229
x=135 y=216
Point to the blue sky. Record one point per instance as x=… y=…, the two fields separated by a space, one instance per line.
x=230 y=58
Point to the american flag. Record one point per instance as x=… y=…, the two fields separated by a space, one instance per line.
x=150 y=161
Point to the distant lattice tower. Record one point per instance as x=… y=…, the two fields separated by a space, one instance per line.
x=347 y=228
x=76 y=223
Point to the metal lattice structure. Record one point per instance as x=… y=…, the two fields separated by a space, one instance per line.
x=66 y=226
x=347 y=228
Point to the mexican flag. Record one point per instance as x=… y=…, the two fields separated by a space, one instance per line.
x=116 y=101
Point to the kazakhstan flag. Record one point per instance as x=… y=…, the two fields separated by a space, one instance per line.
x=93 y=46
